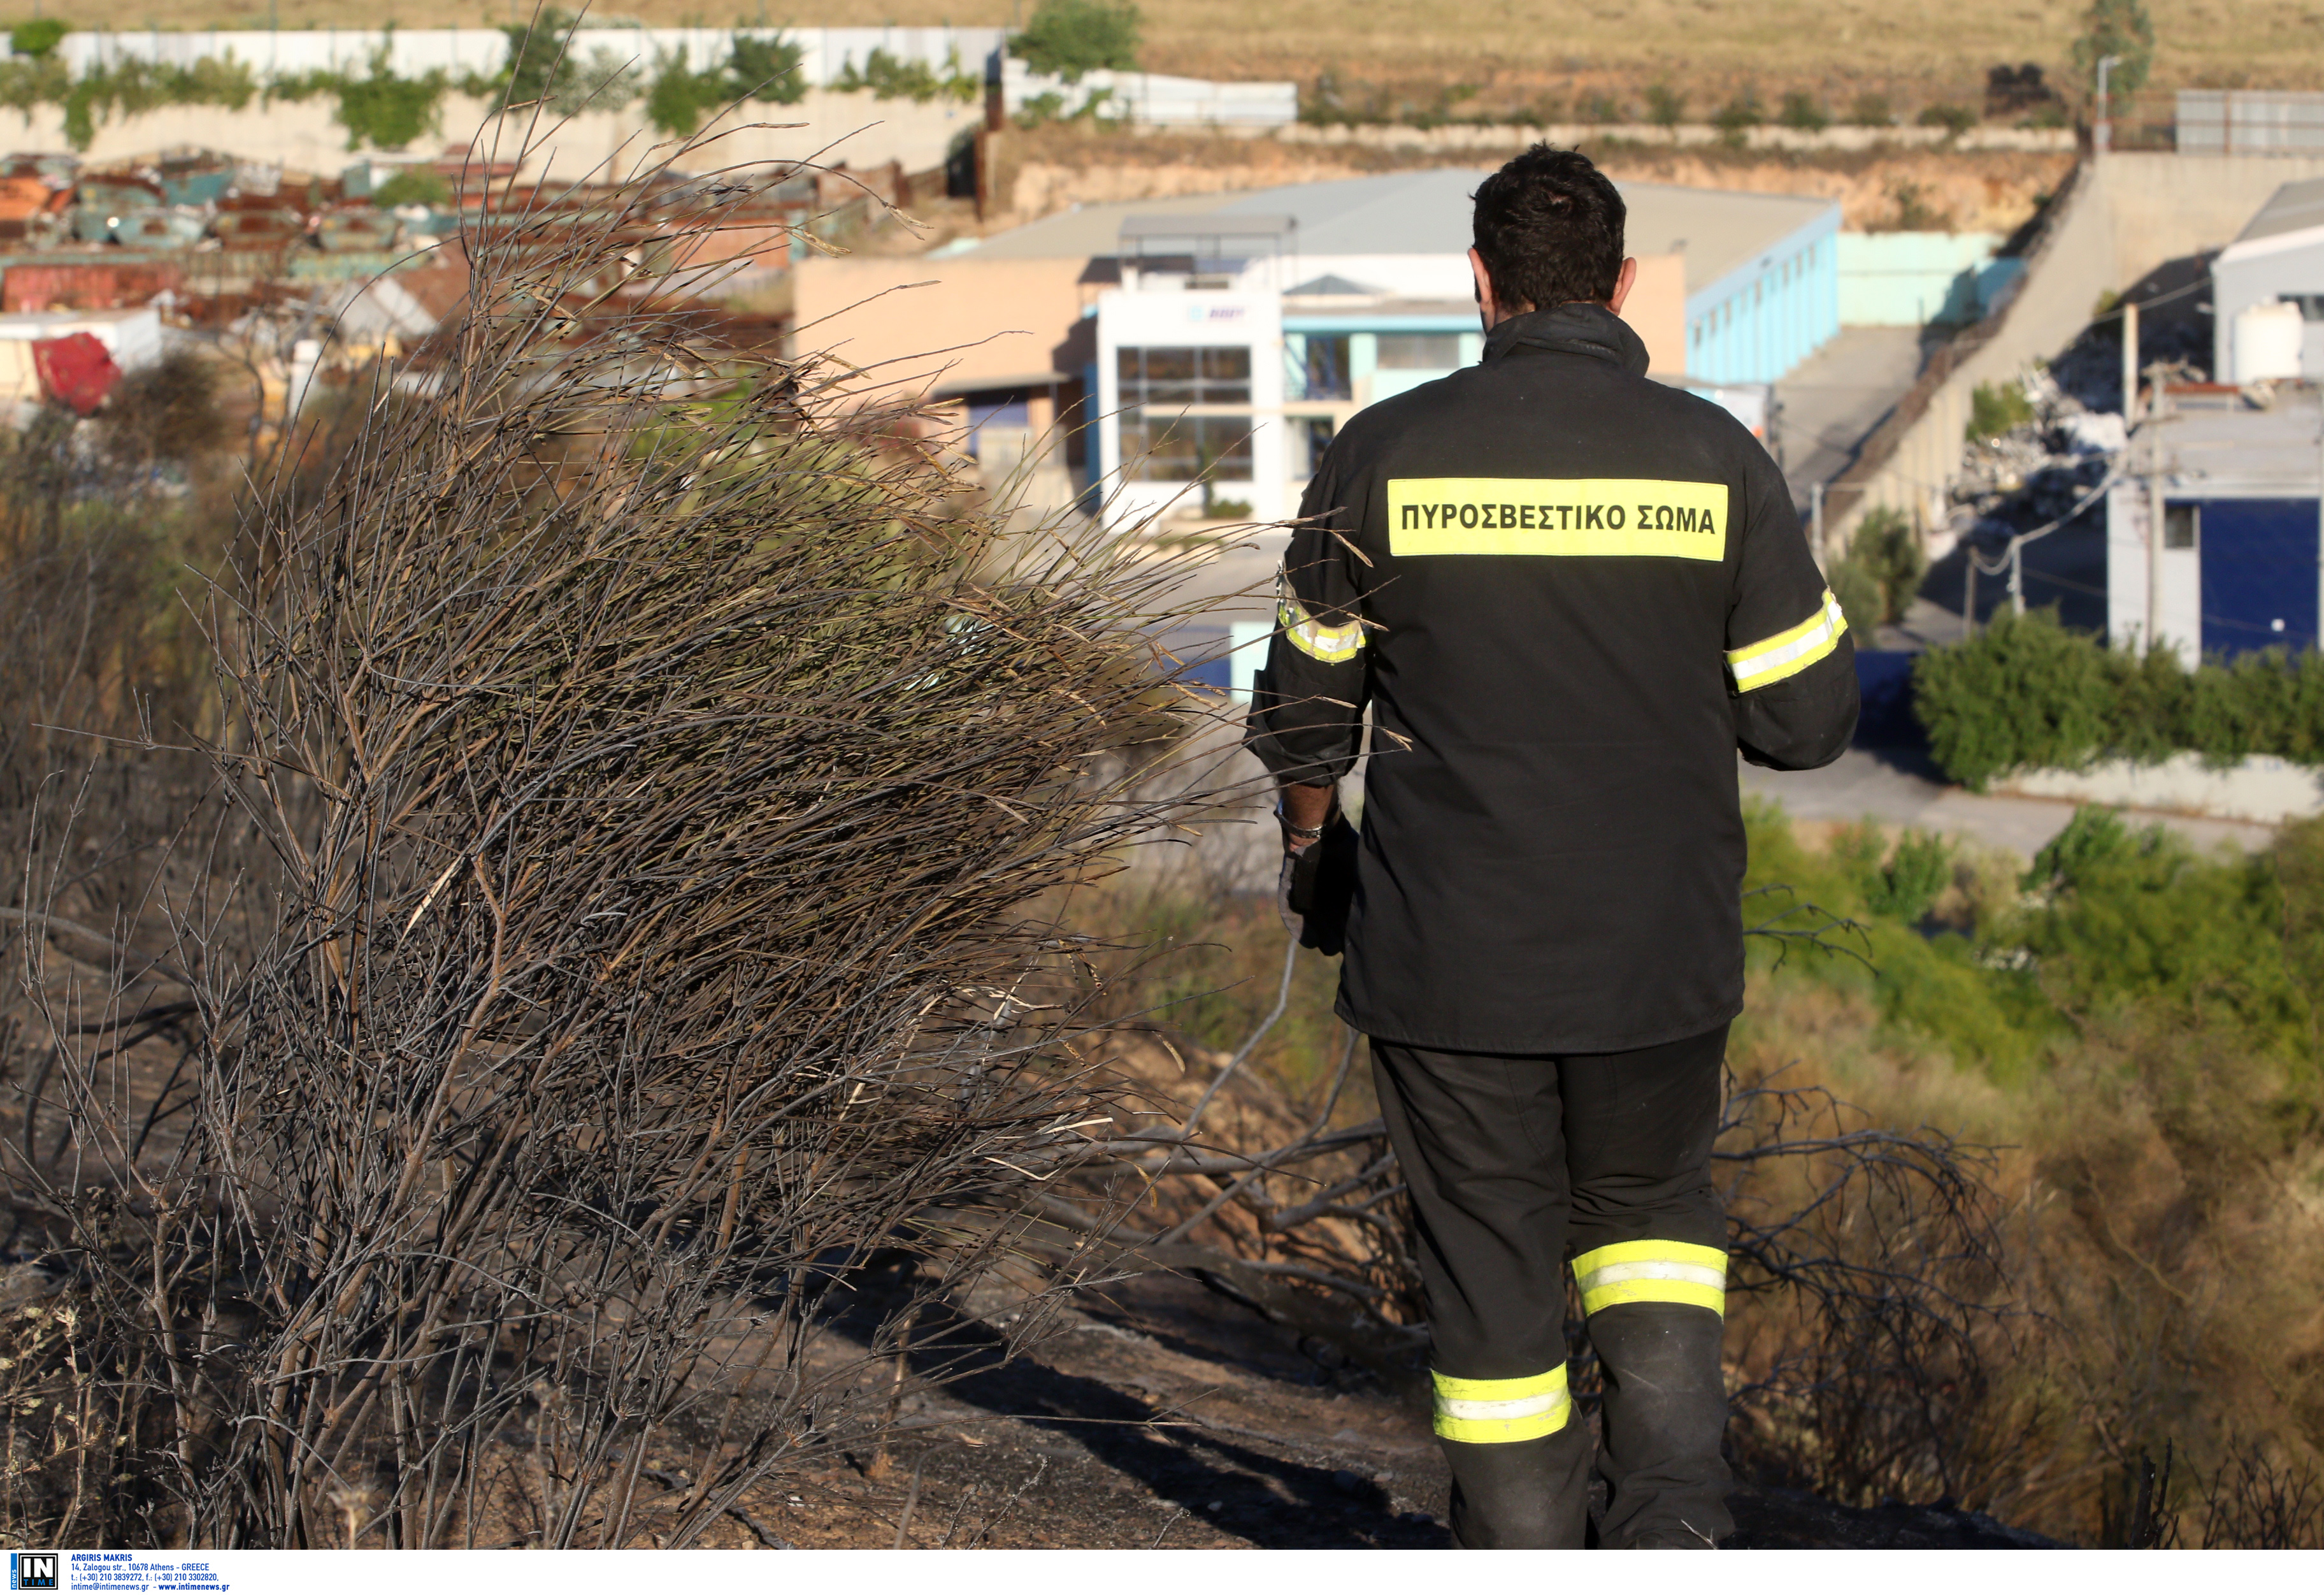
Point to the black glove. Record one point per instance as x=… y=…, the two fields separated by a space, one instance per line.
x=1317 y=887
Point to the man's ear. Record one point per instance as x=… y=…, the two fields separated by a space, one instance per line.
x=1487 y=307
x=1623 y=283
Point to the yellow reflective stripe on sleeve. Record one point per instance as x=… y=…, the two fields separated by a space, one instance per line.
x=1788 y=653
x=1496 y=1411
x=1332 y=645
x=1652 y=1271
x=1592 y=517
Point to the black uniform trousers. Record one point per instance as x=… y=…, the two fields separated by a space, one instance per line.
x=1516 y=1166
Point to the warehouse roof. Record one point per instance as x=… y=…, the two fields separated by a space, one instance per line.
x=2292 y=218
x=1428 y=213
x=2294 y=208
x=2216 y=443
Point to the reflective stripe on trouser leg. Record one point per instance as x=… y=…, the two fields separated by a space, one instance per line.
x=1652 y=1271
x=1493 y=1411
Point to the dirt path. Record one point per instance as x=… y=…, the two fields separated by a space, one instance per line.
x=1166 y=1416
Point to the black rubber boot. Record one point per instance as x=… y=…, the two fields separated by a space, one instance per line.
x=1666 y=1411
x=1529 y=1495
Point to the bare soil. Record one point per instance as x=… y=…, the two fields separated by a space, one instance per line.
x=1163 y=1415
x=1986 y=190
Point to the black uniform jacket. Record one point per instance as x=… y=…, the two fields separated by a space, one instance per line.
x=1568 y=593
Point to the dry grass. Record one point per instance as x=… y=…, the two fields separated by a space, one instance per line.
x=597 y=946
x=1706 y=48
x=2172 y=1247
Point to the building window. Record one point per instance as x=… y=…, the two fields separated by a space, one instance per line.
x=1185 y=375
x=2182 y=524
x=1160 y=442
x=1420 y=352
x=1320 y=431
x=1010 y=412
x=1327 y=368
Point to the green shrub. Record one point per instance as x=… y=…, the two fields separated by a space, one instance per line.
x=1665 y=107
x=537 y=58
x=131 y=87
x=38 y=38
x=2028 y=692
x=1886 y=545
x=2121 y=29
x=1909 y=884
x=388 y=112
x=679 y=97
x=766 y=69
x=1954 y=119
x=1860 y=597
x=1741 y=115
x=1872 y=110
x=414 y=185
x=1994 y=410
x=1071 y=37
x=890 y=79
x=1877 y=577
x=1801 y=111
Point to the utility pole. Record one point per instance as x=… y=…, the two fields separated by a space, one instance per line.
x=1968 y=588
x=2017 y=577
x=1815 y=521
x=2102 y=134
x=2129 y=362
x=2154 y=509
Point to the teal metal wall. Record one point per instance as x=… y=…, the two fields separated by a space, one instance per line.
x=1912 y=279
x=1766 y=316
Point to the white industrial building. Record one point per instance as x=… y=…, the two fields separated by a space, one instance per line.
x=2267 y=292
x=2239 y=560
x=1242 y=336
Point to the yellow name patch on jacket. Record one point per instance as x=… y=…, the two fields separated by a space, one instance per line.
x=1585 y=516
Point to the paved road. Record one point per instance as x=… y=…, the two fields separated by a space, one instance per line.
x=1838 y=394
x=1869 y=785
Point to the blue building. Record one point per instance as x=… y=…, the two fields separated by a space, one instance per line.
x=2239 y=557
x=1762 y=283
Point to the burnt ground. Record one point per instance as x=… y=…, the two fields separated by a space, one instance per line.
x=1163 y=1414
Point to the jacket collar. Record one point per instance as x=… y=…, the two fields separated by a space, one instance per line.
x=1577 y=328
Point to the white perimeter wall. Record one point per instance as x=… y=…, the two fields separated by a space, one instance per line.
x=854 y=128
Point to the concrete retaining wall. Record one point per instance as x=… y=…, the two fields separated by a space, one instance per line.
x=2261 y=788
x=854 y=128
x=2116 y=220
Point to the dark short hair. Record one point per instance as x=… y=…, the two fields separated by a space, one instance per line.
x=1549 y=226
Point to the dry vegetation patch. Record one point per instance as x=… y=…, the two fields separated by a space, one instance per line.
x=1970 y=190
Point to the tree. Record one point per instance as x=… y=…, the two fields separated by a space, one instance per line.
x=1665 y=107
x=1802 y=112
x=1069 y=37
x=38 y=38
x=2122 y=29
x=767 y=68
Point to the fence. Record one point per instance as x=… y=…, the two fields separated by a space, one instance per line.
x=2250 y=121
x=827 y=56
x=827 y=52
x=1153 y=99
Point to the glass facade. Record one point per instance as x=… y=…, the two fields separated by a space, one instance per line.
x=1420 y=352
x=1160 y=442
